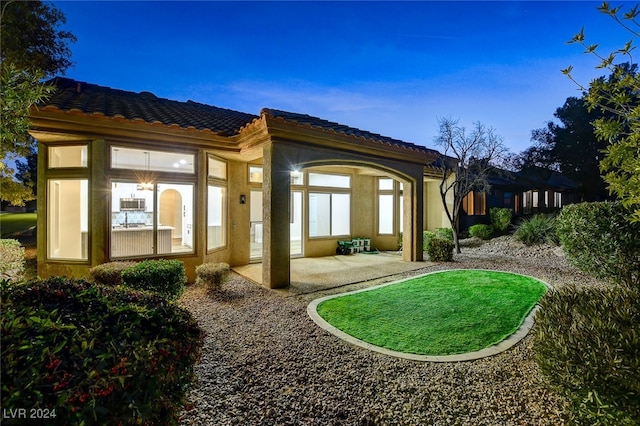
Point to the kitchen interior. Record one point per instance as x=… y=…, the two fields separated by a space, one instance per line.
x=133 y=209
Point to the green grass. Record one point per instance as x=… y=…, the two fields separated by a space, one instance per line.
x=15 y=222
x=442 y=313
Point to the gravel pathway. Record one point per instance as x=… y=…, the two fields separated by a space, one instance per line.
x=265 y=362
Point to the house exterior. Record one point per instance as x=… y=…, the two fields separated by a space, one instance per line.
x=128 y=175
x=530 y=191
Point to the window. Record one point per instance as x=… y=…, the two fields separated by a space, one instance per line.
x=67 y=156
x=255 y=174
x=148 y=160
x=151 y=220
x=217 y=169
x=329 y=214
x=386 y=206
x=474 y=203
x=67 y=219
x=216 y=217
x=329 y=180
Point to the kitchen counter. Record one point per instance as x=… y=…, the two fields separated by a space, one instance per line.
x=139 y=240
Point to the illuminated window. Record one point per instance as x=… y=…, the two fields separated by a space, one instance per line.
x=216 y=217
x=148 y=160
x=217 y=169
x=329 y=214
x=474 y=203
x=67 y=156
x=67 y=219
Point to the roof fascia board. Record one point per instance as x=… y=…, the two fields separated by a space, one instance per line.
x=89 y=126
x=279 y=128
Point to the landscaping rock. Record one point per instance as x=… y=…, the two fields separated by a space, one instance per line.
x=266 y=362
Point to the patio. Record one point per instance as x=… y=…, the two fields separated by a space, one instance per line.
x=312 y=274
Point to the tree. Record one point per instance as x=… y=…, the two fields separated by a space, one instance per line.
x=31 y=49
x=570 y=147
x=30 y=38
x=466 y=162
x=27 y=171
x=619 y=96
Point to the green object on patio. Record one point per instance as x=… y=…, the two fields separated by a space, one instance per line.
x=443 y=313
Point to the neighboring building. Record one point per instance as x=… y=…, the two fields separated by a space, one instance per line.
x=530 y=191
x=126 y=175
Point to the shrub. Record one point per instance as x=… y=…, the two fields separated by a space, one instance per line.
x=598 y=239
x=481 y=231
x=440 y=249
x=538 y=229
x=109 y=273
x=446 y=233
x=500 y=219
x=11 y=261
x=587 y=344
x=212 y=275
x=98 y=355
x=165 y=277
x=426 y=237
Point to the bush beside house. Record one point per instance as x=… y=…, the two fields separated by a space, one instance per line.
x=598 y=239
x=99 y=355
x=588 y=346
x=587 y=340
x=11 y=261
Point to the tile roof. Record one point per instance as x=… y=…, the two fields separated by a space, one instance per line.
x=319 y=123
x=88 y=98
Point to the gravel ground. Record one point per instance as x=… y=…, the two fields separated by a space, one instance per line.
x=265 y=362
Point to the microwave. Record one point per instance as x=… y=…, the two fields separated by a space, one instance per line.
x=132 y=204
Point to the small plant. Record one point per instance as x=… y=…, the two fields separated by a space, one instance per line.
x=500 y=219
x=440 y=249
x=165 y=277
x=109 y=273
x=97 y=355
x=212 y=275
x=538 y=229
x=484 y=232
x=446 y=233
x=587 y=344
x=11 y=261
x=598 y=239
x=426 y=237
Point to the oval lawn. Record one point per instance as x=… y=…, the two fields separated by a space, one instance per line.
x=441 y=313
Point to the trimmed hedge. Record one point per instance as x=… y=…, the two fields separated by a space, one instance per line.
x=484 y=232
x=440 y=249
x=109 y=273
x=165 y=277
x=587 y=344
x=98 y=355
x=212 y=275
x=598 y=239
x=538 y=229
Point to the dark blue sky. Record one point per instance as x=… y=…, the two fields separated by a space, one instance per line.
x=387 y=67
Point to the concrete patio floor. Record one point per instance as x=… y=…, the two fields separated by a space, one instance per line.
x=312 y=274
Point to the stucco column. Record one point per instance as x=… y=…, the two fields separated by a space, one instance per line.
x=276 y=190
x=413 y=219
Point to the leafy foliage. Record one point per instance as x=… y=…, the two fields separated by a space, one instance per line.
x=440 y=249
x=109 y=273
x=587 y=344
x=538 y=229
x=482 y=231
x=467 y=160
x=570 y=147
x=11 y=261
x=598 y=239
x=619 y=97
x=162 y=276
x=212 y=275
x=500 y=219
x=99 y=355
x=30 y=38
